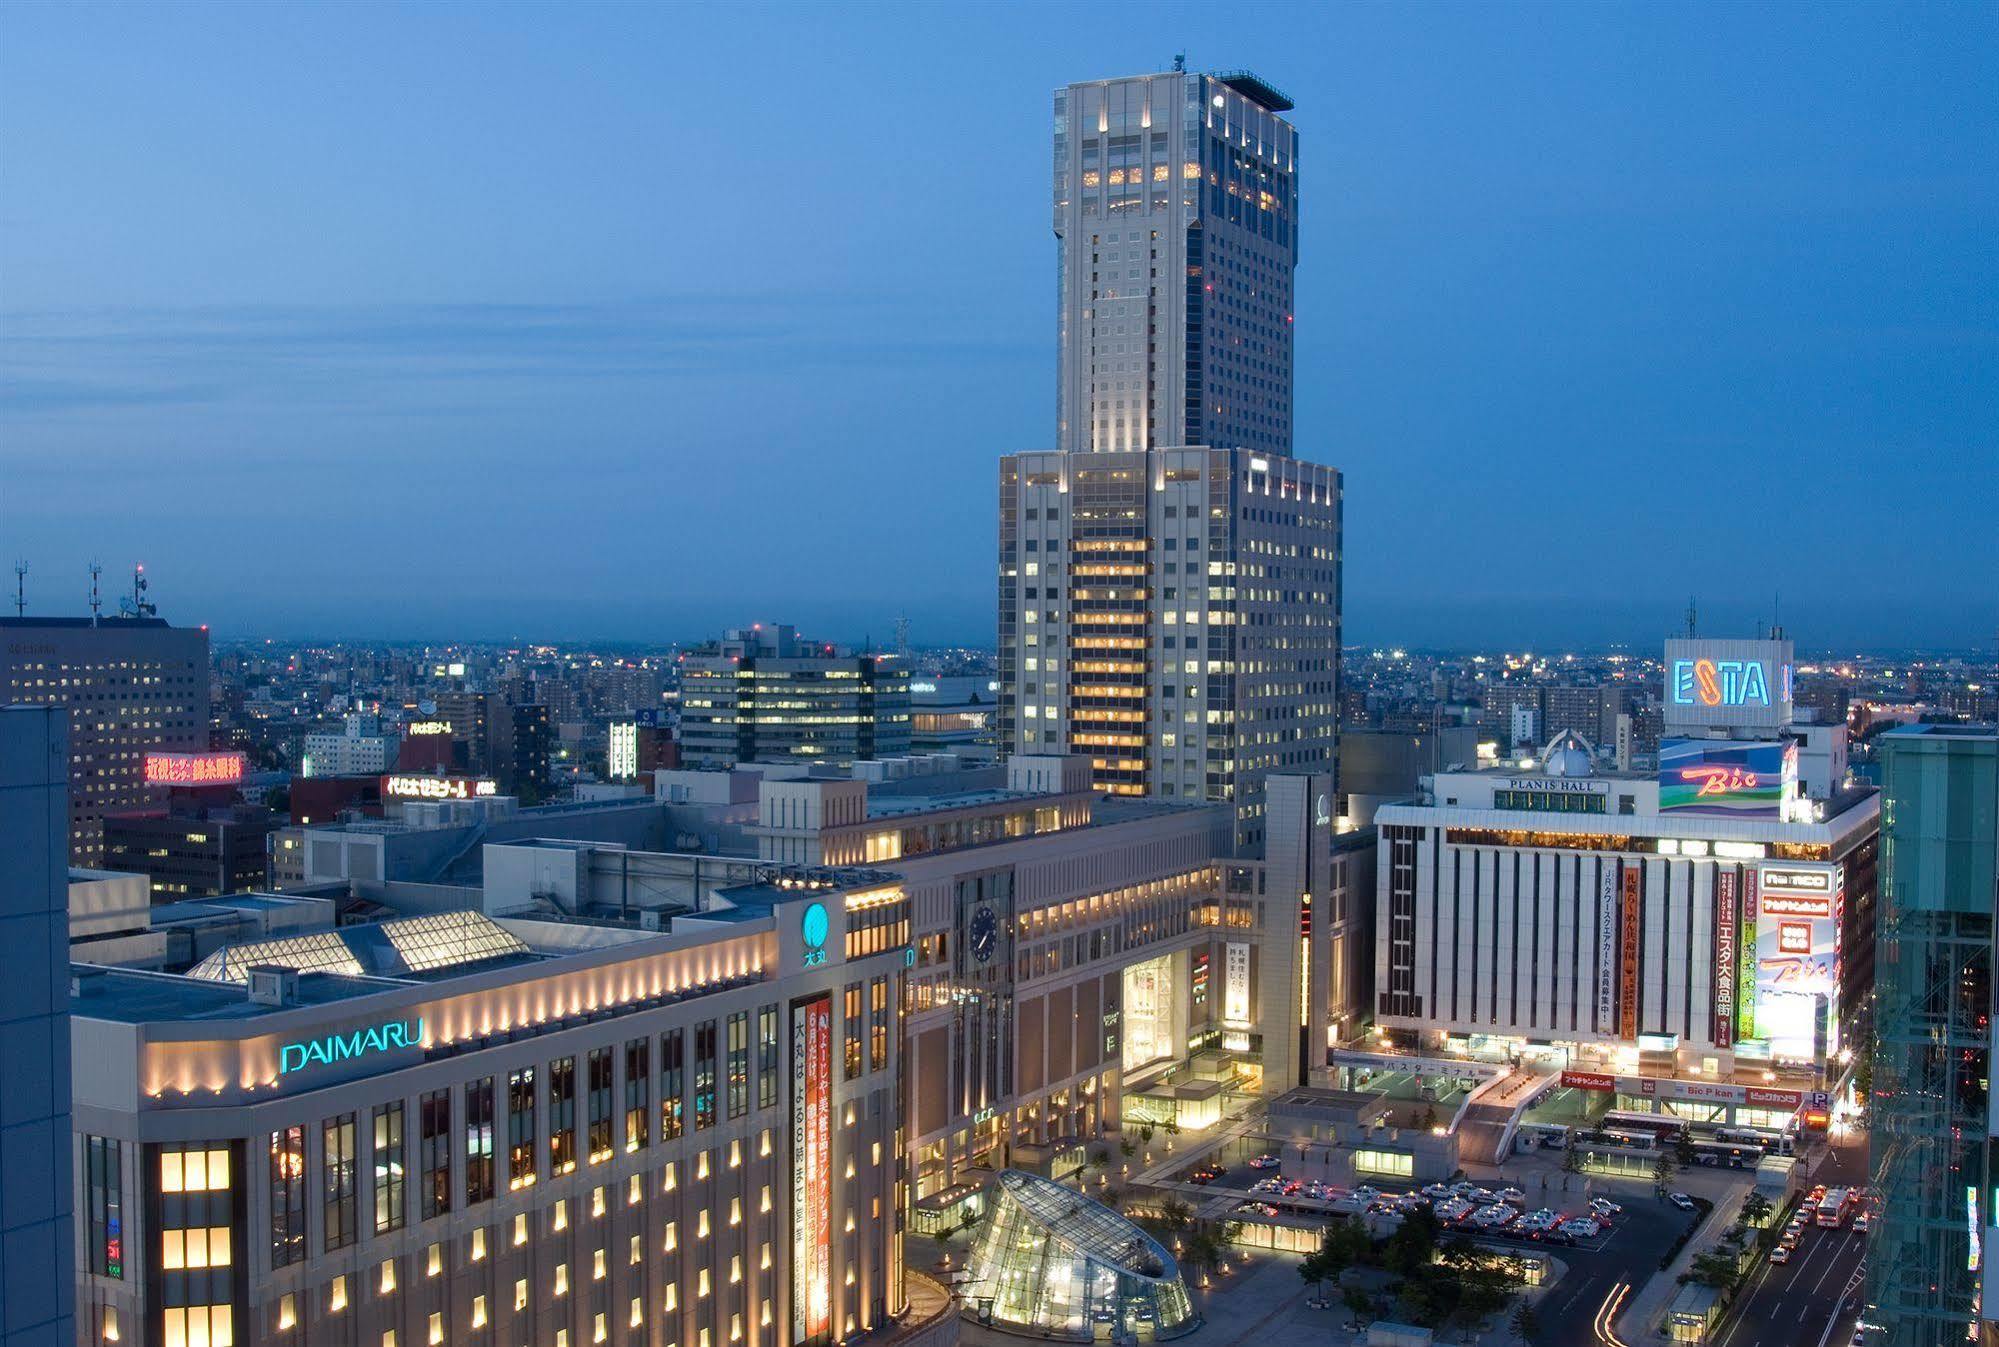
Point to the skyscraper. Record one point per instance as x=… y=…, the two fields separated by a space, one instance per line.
x=132 y=685
x=1170 y=575
x=1176 y=209
x=1929 y=1130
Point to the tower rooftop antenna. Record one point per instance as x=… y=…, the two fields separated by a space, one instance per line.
x=20 y=589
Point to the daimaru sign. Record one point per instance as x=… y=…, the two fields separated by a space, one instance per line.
x=331 y=1048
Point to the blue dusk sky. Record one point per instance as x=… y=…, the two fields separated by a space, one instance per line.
x=633 y=320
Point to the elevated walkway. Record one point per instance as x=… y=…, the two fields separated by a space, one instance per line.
x=1492 y=1113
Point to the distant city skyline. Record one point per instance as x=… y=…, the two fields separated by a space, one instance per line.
x=1598 y=308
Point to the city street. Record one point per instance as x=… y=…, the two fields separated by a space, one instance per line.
x=1812 y=1299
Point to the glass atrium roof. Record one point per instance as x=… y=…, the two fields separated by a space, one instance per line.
x=403 y=947
x=1049 y=1261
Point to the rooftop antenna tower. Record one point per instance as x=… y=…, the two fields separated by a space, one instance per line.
x=96 y=603
x=1690 y=619
x=137 y=605
x=1179 y=62
x=20 y=589
x=902 y=636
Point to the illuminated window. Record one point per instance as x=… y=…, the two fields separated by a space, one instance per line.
x=702 y=1288
x=478 y=1311
x=520 y=1230
x=521 y=1294
x=562 y=1279
x=478 y=1244
x=434 y=1260
x=336 y=1297
x=638 y=1254
x=599 y=1331
x=562 y=1213
x=672 y=1236
x=436 y=1328
x=388 y=1282
x=597 y=1266
x=638 y=1311
x=287 y=1310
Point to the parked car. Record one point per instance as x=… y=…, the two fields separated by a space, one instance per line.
x=1681 y=1200
x=1513 y=1195
x=1603 y=1206
x=1438 y=1190
x=1264 y=1162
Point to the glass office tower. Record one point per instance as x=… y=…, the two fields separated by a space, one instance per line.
x=1929 y=1128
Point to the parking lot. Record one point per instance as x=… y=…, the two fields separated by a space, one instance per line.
x=1272 y=1186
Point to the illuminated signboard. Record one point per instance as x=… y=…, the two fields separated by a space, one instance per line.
x=621 y=751
x=1235 y=984
x=1797 y=959
x=1724 y=959
x=1971 y=1222
x=193 y=769
x=1628 y=963
x=1728 y=683
x=419 y=728
x=1719 y=776
x=1745 y=947
x=813 y=928
x=331 y=1048
x=812 y=1168
x=439 y=787
x=1606 y=947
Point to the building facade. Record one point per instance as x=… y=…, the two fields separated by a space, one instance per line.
x=132 y=686
x=193 y=850
x=36 y=1273
x=449 y=1129
x=1929 y=1125
x=763 y=695
x=358 y=748
x=1175 y=214
x=1174 y=614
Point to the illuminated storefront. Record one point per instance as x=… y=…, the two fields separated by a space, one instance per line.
x=1149 y=1013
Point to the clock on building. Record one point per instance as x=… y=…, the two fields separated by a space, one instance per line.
x=985 y=933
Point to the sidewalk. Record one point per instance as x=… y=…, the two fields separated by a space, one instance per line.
x=1639 y=1322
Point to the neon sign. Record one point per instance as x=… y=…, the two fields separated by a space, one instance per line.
x=439 y=787
x=1718 y=780
x=814 y=928
x=422 y=727
x=1722 y=776
x=193 y=769
x=1720 y=682
x=331 y=1048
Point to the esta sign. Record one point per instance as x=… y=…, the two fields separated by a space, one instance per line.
x=1720 y=682
x=331 y=1048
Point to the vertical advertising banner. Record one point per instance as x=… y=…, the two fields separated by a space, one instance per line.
x=1627 y=1022
x=1606 y=948
x=812 y=1168
x=1724 y=958
x=1235 y=985
x=1745 y=976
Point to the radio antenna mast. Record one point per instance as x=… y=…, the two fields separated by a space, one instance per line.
x=20 y=589
x=1690 y=619
x=96 y=603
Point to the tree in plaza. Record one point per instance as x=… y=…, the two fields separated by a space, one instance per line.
x=1359 y=1304
x=1664 y=1172
x=1756 y=1208
x=1572 y=1159
x=1526 y=1323
x=1683 y=1147
x=1714 y=1268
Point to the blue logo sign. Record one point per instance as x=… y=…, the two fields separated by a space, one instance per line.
x=346 y=1047
x=1715 y=683
x=815 y=928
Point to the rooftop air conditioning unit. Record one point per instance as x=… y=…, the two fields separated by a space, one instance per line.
x=273 y=985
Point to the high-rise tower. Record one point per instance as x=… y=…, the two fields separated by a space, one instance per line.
x=1176 y=213
x=1170 y=576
